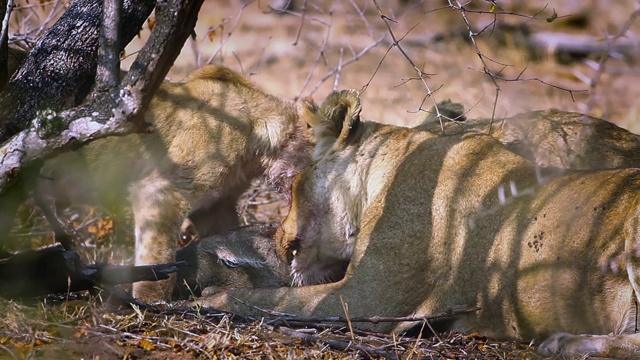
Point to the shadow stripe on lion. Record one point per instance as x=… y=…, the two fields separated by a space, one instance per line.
x=395 y=204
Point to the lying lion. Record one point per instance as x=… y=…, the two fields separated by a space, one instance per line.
x=212 y=135
x=550 y=137
x=420 y=224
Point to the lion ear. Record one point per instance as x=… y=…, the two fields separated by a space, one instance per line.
x=308 y=112
x=338 y=116
x=342 y=109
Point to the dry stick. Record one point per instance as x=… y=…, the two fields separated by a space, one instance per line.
x=336 y=80
x=224 y=40
x=532 y=17
x=353 y=59
x=345 y=308
x=486 y=70
x=416 y=343
x=362 y=17
x=334 y=344
x=31 y=35
x=536 y=79
x=372 y=319
x=421 y=74
x=595 y=80
x=4 y=46
x=303 y=12
x=323 y=47
x=4 y=31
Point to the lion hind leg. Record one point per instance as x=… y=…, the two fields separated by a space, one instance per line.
x=626 y=346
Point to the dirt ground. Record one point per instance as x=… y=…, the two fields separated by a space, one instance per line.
x=346 y=44
x=340 y=44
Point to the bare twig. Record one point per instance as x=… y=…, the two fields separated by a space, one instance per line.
x=335 y=344
x=323 y=48
x=279 y=316
x=345 y=309
x=421 y=74
x=336 y=81
x=238 y=16
x=602 y=63
x=454 y=4
x=303 y=12
x=345 y=63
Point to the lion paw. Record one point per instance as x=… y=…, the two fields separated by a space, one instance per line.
x=573 y=346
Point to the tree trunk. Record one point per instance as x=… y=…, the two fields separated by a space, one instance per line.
x=59 y=72
x=102 y=116
x=4 y=41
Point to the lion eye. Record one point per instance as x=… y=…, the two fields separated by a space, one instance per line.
x=229 y=263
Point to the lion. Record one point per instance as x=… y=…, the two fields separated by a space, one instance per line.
x=212 y=135
x=549 y=137
x=394 y=221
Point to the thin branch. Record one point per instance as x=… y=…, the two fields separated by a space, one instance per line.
x=323 y=48
x=536 y=79
x=334 y=344
x=353 y=59
x=486 y=69
x=303 y=11
x=224 y=40
x=602 y=63
x=289 y=318
x=421 y=74
x=362 y=17
x=336 y=81
x=377 y=319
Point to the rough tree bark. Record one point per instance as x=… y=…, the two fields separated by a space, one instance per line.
x=51 y=131
x=60 y=70
x=5 y=12
x=108 y=71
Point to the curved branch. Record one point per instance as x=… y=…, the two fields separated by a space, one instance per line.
x=108 y=115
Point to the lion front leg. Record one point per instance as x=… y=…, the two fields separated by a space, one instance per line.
x=318 y=300
x=158 y=207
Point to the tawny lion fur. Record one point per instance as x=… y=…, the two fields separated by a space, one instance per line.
x=212 y=135
x=429 y=223
x=550 y=137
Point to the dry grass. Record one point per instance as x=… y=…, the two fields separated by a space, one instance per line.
x=81 y=329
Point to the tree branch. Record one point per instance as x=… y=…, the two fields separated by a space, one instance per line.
x=5 y=14
x=108 y=71
x=60 y=70
x=107 y=116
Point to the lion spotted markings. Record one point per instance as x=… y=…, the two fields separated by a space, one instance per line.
x=421 y=256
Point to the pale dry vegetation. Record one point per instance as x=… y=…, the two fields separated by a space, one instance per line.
x=309 y=50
